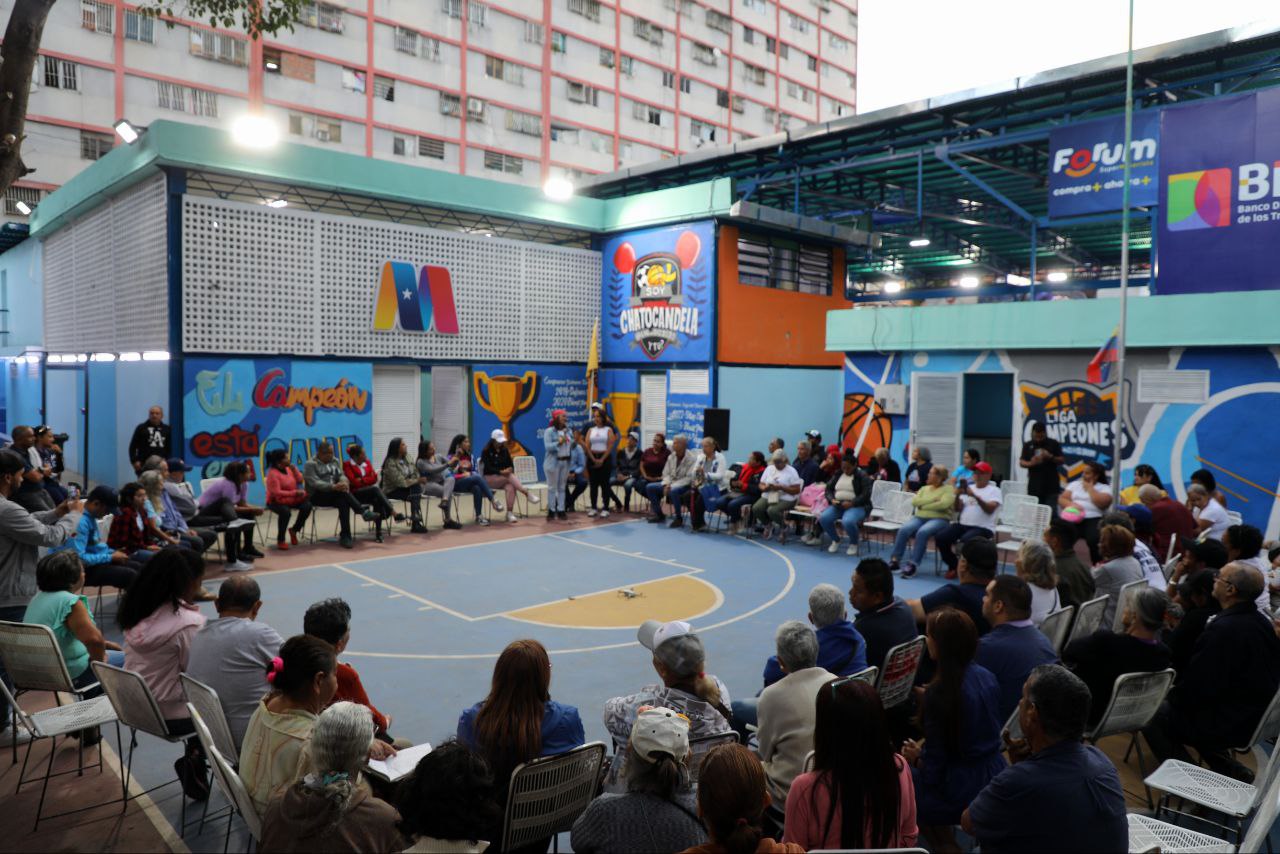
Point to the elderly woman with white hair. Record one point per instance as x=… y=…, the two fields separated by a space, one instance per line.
x=332 y=808
x=1035 y=565
x=786 y=710
x=780 y=487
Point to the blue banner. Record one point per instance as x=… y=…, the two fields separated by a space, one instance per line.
x=243 y=409
x=658 y=294
x=1086 y=165
x=1219 y=183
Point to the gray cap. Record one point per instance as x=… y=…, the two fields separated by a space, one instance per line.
x=674 y=644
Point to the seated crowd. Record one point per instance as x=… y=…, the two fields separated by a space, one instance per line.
x=810 y=759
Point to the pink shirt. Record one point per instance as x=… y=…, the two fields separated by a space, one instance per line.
x=805 y=825
x=157 y=650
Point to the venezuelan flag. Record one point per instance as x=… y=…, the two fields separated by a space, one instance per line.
x=1099 y=371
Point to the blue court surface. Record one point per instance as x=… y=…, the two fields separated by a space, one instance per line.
x=427 y=627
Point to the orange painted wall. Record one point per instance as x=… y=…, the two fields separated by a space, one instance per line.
x=763 y=326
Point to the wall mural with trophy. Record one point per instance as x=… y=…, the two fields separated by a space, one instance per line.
x=658 y=294
x=519 y=400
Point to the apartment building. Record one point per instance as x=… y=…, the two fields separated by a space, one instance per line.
x=518 y=90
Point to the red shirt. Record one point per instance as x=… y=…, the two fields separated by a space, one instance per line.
x=128 y=531
x=652 y=462
x=1169 y=519
x=749 y=471
x=361 y=475
x=350 y=690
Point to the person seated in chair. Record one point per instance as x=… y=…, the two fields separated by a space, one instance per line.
x=225 y=503
x=1014 y=646
x=626 y=469
x=976 y=569
x=437 y=480
x=401 y=481
x=979 y=505
x=103 y=565
x=286 y=495
x=61 y=605
x=786 y=709
x=848 y=502
x=500 y=472
x=363 y=478
x=677 y=475
x=328 y=487
x=711 y=477
x=884 y=620
x=129 y=532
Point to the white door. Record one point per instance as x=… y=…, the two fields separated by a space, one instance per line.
x=449 y=399
x=937 y=415
x=396 y=409
x=653 y=407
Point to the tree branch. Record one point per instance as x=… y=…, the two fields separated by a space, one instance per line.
x=18 y=57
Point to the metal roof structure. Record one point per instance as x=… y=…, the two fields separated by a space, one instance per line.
x=968 y=170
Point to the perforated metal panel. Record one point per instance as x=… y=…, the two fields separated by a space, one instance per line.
x=311 y=281
x=105 y=276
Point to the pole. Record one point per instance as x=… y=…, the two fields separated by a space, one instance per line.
x=1121 y=334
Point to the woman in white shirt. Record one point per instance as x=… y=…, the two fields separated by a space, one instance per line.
x=709 y=469
x=1036 y=566
x=1091 y=493
x=599 y=442
x=780 y=487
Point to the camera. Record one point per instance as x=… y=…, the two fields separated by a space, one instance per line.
x=61 y=438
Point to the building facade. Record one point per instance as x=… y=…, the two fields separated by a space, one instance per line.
x=517 y=90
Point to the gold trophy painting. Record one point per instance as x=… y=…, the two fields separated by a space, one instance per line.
x=506 y=398
x=623 y=406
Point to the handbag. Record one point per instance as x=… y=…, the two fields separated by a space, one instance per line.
x=710 y=494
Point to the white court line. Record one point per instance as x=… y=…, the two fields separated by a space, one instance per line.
x=406 y=594
x=671 y=562
x=585 y=595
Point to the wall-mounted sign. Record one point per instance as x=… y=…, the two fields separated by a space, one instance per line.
x=415 y=301
x=1086 y=165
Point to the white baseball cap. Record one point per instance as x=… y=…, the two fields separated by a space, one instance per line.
x=660 y=731
x=653 y=634
x=675 y=644
x=498 y=436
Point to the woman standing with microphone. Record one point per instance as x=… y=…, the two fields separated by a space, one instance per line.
x=558 y=440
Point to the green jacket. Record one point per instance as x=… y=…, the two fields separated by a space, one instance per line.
x=398 y=473
x=934 y=502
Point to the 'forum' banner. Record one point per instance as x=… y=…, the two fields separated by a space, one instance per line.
x=1086 y=165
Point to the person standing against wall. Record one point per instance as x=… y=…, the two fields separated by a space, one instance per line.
x=558 y=441
x=600 y=441
x=150 y=438
x=1041 y=458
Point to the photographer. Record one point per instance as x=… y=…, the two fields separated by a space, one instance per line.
x=49 y=447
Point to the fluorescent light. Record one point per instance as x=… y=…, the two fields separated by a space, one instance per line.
x=102 y=357
x=23 y=208
x=126 y=131
x=55 y=359
x=558 y=188
x=272 y=65
x=81 y=357
x=255 y=131
x=968 y=281
x=918 y=242
x=131 y=357
x=277 y=203
x=1012 y=279
x=1057 y=276
x=154 y=356
x=892 y=287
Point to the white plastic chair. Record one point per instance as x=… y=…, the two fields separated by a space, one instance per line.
x=897 y=510
x=1135 y=699
x=227 y=780
x=1235 y=517
x=1055 y=627
x=33 y=661
x=1009 y=505
x=547 y=794
x=1122 y=602
x=1030 y=520
x=1009 y=486
x=1088 y=618
x=1150 y=834
x=525 y=468
x=898 y=675
x=880 y=490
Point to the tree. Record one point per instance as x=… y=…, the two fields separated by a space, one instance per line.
x=21 y=48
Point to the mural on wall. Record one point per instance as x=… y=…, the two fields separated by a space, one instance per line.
x=657 y=295
x=519 y=400
x=1221 y=434
x=243 y=409
x=685 y=411
x=864 y=426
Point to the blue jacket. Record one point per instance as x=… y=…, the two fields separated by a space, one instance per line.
x=841 y=650
x=561 y=728
x=1011 y=652
x=948 y=782
x=551 y=442
x=87 y=542
x=577 y=460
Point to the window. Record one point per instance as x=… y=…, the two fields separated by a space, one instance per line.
x=739 y=104
x=651 y=33
x=837 y=43
x=669 y=79
x=61 y=74
x=589 y=9
x=398 y=146
x=97 y=16
x=722 y=98
x=560 y=133
x=532 y=32
x=450 y=105
x=582 y=94
x=406 y=41
x=645 y=113
x=836 y=107
x=756 y=5
x=770 y=115
x=328 y=131
x=295 y=124
x=428 y=147
x=139 y=27
x=800 y=25
x=559 y=42
x=475 y=109
x=784 y=50
x=686 y=85
x=94 y=145
x=429 y=49
x=322 y=16
x=626 y=65
x=353 y=80
x=272 y=59
x=748 y=35
x=811 y=62
x=219 y=48
x=800 y=93
x=704 y=53
x=719 y=21
x=477 y=15
x=770 y=44
x=853 y=19
x=452 y=8
x=824 y=5
x=502 y=70
x=753 y=73
x=526 y=123
x=607 y=57
x=184 y=99
x=384 y=88
x=773 y=262
x=702 y=132
x=499 y=162
x=13 y=195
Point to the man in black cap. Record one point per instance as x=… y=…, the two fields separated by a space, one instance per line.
x=103 y=566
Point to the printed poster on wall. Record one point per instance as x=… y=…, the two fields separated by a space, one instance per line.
x=519 y=400
x=242 y=409
x=1086 y=165
x=1219 y=195
x=658 y=295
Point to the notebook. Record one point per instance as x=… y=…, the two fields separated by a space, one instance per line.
x=399 y=765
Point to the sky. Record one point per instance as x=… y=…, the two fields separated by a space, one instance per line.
x=912 y=49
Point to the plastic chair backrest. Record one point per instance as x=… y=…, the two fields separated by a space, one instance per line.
x=1135 y=699
x=1013 y=726
x=700 y=747
x=880 y=490
x=1011 y=507
x=33 y=659
x=1055 y=626
x=1268 y=725
x=899 y=671
x=233 y=788
x=206 y=482
x=1235 y=517
x=206 y=701
x=1122 y=602
x=809 y=759
x=547 y=794
x=1268 y=810
x=1034 y=519
x=525 y=468
x=1088 y=617
x=870 y=675
x=897 y=507
x=1008 y=487
x=133 y=701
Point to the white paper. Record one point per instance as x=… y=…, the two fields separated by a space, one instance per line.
x=399 y=765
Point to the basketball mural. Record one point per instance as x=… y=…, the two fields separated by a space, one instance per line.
x=864 y=427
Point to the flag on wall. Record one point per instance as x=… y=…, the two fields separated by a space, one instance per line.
x=1099 y=371
x=593 y=363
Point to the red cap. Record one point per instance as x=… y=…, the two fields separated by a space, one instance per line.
x=985 y=468
x=833 y=449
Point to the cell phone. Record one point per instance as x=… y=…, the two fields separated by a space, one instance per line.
x=962 y=483
x=73 y=492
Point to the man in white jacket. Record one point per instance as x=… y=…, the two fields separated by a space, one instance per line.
x=787 y=710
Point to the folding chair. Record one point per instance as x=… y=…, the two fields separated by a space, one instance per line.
x=700 y=747
x=1009 y=504
x=1030 y=520
x=1008 y=487
x=880 y=490
x=1055 y=626
x=1135 y=699
x=137 y=709
x=227 y=780
x=1088 y=618
x=897 y=510
x=870 y=675
x=203 y=698
x=1122 y=602
x=1150 y=834
x=899 y=672
x=546 y=795
x=526 y=471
